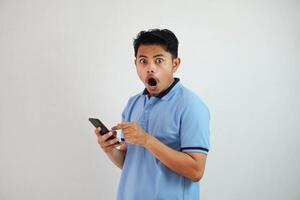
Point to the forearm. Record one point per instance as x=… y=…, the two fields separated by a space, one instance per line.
x=179 y=162
x=117 y=157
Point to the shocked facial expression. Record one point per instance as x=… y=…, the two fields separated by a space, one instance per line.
x=155 y=67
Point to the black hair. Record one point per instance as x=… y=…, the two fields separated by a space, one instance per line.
x=163 y=37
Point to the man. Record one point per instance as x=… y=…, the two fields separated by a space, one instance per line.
x=166 y=128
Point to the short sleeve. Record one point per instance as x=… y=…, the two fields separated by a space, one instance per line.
x=195 y=128
x=124 y=116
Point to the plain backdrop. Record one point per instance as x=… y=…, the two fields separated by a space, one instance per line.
x=63 y=61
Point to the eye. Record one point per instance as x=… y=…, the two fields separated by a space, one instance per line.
x=143 y=61
x=159 y=60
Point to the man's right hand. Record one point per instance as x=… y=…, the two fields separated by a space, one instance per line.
x=108 y=145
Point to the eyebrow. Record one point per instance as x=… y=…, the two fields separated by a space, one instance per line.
x=158 y=55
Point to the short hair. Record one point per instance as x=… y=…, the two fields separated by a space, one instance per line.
x=163 y=37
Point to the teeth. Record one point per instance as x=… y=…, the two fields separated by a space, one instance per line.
x=152 y=82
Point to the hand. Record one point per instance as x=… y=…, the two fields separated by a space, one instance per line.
x=133 y=133
x=109 y=145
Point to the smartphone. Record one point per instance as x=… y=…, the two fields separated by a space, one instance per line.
x=97 y=123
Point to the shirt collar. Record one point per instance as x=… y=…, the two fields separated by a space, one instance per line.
x=165 y=92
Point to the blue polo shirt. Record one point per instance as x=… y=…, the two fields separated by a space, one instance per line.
x=180 y=120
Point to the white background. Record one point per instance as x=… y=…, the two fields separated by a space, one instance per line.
x=63 y=61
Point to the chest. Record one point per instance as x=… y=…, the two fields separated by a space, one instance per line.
x=160 y=118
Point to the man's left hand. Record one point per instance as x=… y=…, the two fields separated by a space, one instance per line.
x=133 y=133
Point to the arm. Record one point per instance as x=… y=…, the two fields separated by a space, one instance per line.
x=117 y=157
x=190 y=165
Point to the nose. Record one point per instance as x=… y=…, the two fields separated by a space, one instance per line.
x=151 y=68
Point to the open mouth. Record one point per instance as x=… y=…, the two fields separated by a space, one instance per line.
x=152 y=82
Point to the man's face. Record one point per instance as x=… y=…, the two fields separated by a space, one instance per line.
x=155 y=67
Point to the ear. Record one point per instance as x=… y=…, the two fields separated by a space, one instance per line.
x=135 y=61
x=176 y=63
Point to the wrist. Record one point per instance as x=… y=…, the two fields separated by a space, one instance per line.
x=148 y=139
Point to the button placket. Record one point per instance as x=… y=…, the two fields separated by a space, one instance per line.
x=148 y=106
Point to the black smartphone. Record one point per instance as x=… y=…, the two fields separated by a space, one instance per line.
x=97 y=123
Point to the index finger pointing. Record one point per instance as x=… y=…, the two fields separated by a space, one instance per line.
x=121 y=125
x=117 y=127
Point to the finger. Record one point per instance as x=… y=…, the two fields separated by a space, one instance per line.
x=127 y=130
x=106 y=136
x=125 y=122
x=117 y=127
x=107 y=149
x=97 y=131
x=120 y=144
x=110 y=142
x=114 y=141
x=123 y=125
x=114 y=133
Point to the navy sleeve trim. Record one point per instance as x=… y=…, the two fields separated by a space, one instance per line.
x=194 y=148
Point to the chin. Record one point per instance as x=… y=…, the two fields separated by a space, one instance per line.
x=153 y=93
